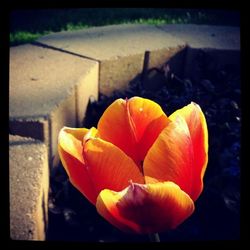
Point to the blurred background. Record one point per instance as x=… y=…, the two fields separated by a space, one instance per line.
x=28 y=25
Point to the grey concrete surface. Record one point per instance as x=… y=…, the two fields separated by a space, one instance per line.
x=28 y=188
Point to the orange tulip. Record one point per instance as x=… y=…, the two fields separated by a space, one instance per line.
x=141 y=169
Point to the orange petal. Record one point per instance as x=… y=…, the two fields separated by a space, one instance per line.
x=197 y=125
x=171 y=157
x=70 y=140
x=149 y=120
x=150 y=135
x=146 y=208
x=70 y=151
x=91 y=134
x=108 y=166
x=132 y=125
x=143 y=112
x=115 y=126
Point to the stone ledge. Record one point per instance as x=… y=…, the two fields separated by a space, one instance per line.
x=28 y=188
x=218 y=45
x=112 y=41
x=119 y=48
x=205 y=36
x=48 y=90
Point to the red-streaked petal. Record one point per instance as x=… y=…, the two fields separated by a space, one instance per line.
x=148 y=208
x=171 y=156
x=70 y=151
x=132 y=125
x=143 y=112
x=109 y=167
x=115 y=126
x=197 y=125
x=149 y=120
x=150 y=135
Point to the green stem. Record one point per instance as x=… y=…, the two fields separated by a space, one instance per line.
x=154 y=237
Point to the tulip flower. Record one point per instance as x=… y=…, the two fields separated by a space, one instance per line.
x=141 y=169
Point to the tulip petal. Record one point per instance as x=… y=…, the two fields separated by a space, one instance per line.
x=149 y=120
x=148 y=208
x=109 y=167
x=196 y=122
x=132 y=125
x=150 y=135
x=143 y=112
x=171 y=157
x=114 y=126
x=70 y=151
x=70 y=140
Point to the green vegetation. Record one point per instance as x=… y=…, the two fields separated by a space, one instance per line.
x=28 y=25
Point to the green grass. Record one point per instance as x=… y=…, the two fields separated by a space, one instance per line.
x=21 y=37
x=28 y=25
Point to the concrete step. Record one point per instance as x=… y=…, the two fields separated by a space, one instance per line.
x=28 y=188
x=219 y=44
x=48 y=90
x=205 y=36
x=119 y=48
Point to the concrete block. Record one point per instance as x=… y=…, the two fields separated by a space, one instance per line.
x=62 y=115
x=86 y=86
x=160 y=57
x=34 y=127
x=48 y=90
x=115 y=74
x=28 y=188
x=153 y=81
x=205 y=36
x=119 y=48
x=218 y=45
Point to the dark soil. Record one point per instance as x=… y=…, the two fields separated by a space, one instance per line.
x=217 y=215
